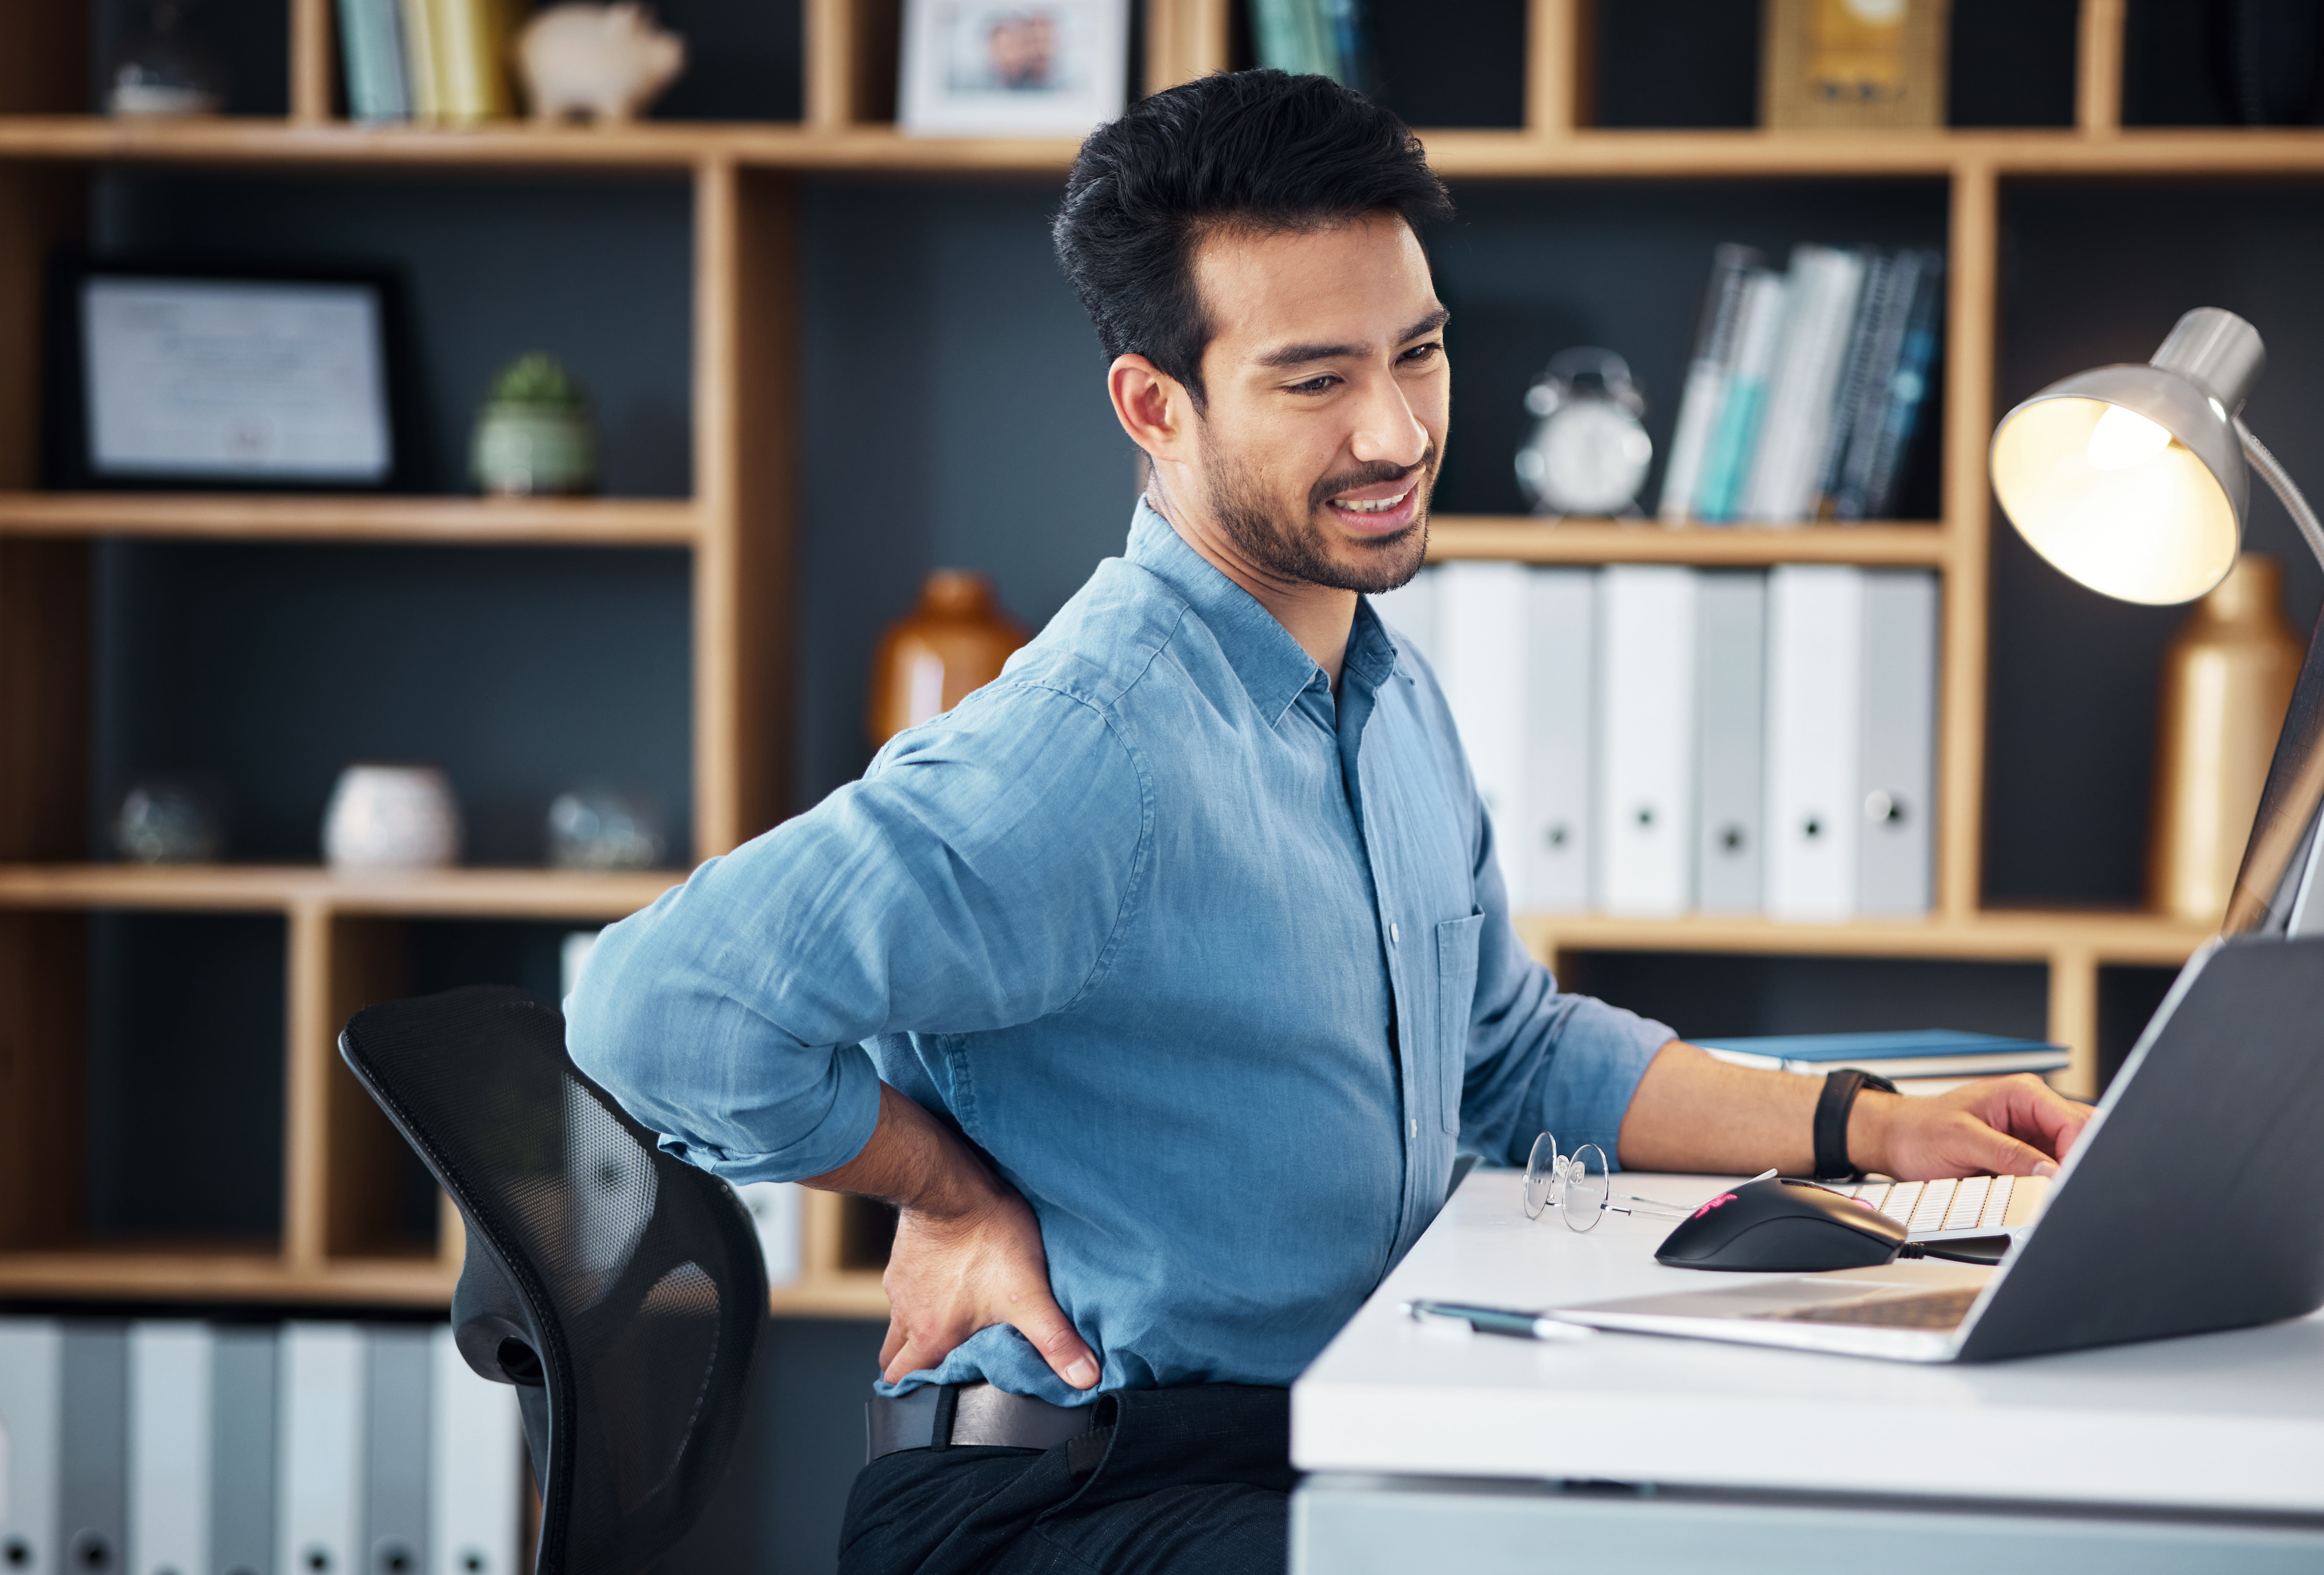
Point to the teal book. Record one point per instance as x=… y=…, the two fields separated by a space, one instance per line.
x=1922 y=1052
x=1735 y=440
x=371 y=51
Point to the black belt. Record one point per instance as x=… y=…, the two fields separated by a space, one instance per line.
x=942 y=1415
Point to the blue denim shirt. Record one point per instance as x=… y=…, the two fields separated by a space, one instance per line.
x=1217 y=971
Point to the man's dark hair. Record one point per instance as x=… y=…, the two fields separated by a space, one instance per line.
x=1255 y=150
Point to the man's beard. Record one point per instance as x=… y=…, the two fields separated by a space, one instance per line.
x=1297 y=550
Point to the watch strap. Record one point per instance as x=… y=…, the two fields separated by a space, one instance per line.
x=1833 y=1107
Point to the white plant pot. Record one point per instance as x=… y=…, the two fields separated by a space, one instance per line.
x=392 y=817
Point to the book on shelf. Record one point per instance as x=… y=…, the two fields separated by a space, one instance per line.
x=1321 y=38
x=471 y=81
x=1650 y=740
x=1732 y=268
x=435 y=62
x=421 y=57
x=370 y=48
x=1805 y=387
x=1913 y=1053
x=1735 y=431
x=1788 y=459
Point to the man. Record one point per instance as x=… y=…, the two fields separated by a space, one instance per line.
x=1156 y=984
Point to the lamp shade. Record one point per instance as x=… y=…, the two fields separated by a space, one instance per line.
x=2130 y=479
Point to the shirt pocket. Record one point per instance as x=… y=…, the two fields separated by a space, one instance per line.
x=1456 y=994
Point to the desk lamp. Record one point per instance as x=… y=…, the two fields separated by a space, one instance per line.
x=2132 y=480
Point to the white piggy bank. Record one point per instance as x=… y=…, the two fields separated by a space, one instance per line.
x=606 y=61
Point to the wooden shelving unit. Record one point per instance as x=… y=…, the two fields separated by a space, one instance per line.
x=277 y=517
x=343 y=935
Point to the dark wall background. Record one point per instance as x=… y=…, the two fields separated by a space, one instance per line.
x=599 y=272
x=953 y=416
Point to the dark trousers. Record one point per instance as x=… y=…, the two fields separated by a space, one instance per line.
x=1190 y=1481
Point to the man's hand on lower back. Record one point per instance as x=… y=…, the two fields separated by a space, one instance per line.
x=968 y=1251
x=949 y=1277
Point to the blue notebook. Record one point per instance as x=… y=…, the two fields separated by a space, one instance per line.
x=1921 y=1052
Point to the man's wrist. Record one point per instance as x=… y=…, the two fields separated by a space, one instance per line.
x=1869 y=1124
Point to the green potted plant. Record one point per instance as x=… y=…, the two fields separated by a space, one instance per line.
x=534 y=435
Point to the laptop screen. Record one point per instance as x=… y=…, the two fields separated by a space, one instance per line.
x=2276 y=857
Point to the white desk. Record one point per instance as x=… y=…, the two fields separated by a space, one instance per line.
x=1436 y=1450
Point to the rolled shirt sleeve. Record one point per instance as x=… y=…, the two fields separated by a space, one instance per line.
x=972 y=881
x=1540 y=1059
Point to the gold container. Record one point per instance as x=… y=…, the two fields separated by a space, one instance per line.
x=2227 y=681
x=956 y=640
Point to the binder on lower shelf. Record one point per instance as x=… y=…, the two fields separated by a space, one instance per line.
x=1815 y=656
x=1898 y=774
x=1730 y=661
x=475 y=1485
x=92 y=1447
x=320 y=1436
x=398 y=1388
x=242 y=1422
x=171 y=1376
x=1646 y=740
x=1480 y=661
x=1548 y=860
x=777 y=1210
x=31 y=1422
x=1410 y=611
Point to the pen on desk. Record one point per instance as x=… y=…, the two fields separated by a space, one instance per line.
x=1499 y=1320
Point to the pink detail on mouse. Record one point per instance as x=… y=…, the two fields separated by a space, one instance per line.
x=1715 y=1203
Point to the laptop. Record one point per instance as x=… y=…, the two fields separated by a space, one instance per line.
x=2190 y=1204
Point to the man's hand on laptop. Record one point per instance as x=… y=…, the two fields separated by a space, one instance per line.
x=2008 y=1127
x=967 y=1252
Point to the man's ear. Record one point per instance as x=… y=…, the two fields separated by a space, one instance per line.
x=1152 y=406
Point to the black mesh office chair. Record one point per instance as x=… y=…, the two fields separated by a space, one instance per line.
x=621 y=1291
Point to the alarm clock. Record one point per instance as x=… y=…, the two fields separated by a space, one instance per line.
x=1588 y=450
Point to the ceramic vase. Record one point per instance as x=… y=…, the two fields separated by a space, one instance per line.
x=2227 y=681
x=957 y=639
x=392 y=817
x=525 y=450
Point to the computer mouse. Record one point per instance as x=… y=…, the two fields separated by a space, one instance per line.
x=1782 y=1227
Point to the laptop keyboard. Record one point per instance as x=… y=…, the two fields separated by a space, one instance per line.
x=1923 y=1310
x=1967 y=1206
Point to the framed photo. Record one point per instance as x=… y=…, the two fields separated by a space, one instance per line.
x=1013 y=67
x=202 y=376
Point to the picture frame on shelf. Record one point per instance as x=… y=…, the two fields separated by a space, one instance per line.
x=1012 y=67
x=178 y=374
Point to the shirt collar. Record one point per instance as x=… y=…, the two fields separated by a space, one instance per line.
x=1273 y=666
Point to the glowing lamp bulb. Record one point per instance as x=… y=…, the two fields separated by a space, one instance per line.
x=2123 y=439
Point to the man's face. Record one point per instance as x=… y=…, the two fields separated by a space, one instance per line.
x=1328 y=398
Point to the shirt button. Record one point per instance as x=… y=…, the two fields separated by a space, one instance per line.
x=1415 y=1129
x=1392 y=937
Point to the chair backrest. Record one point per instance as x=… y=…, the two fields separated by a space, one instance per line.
x=622 y=1291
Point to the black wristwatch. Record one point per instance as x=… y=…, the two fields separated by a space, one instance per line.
x=1832 y=1112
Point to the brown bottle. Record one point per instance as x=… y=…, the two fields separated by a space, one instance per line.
x=956 y=640
x=2227 y=681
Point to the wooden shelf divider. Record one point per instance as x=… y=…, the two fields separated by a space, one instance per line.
x=464 y=893
x=678 y=146
x=1533 y=541
x=580 y=521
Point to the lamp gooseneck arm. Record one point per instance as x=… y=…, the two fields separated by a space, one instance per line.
x=2279 y=482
